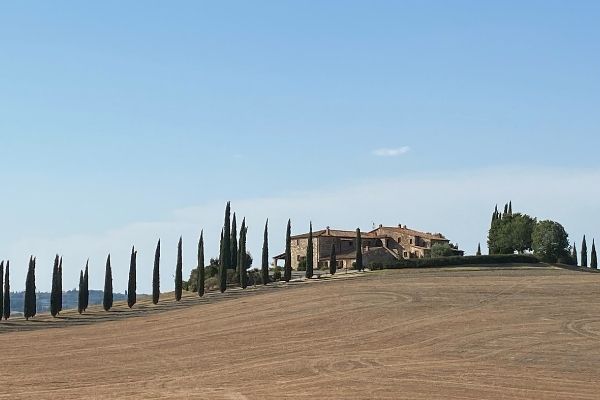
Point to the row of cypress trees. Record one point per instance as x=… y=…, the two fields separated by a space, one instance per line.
x=233 y=255
x=584 y=255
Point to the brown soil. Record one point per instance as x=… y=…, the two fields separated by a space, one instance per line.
x=530 y=333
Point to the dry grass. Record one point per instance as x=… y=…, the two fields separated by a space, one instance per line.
x=406 y=334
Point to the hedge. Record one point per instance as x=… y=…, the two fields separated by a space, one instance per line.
x=457 y=260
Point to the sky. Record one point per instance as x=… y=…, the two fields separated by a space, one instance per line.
x=125 y=122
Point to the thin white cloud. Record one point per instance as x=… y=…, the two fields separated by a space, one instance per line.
x=391 y=152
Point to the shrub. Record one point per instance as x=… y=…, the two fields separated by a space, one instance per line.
x=277 y=273
x=302 y=265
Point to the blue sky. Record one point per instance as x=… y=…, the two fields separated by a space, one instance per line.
x=122 y=122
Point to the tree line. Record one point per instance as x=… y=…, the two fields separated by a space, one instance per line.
x=233 y=259
x=517 y=233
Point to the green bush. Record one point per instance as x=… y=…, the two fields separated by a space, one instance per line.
x=302 y=265
x=457 y=260
x=277 y=273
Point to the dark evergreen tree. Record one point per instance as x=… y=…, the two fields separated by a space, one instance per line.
x=156 y=275
x=86 y=286
x=287 y=267
x=226 y=250
x=593 y=257
x=359 y=257
x=505 y=210
x=201 y=265
x=1 y=287
x=131 y=284
x=6 y=308
x=107 y=302
x=332 y=260
x=510 y=207
x=242 y=259
x=574 y=255
x=310 y=254
x=54 y=292
x=234 y=243
x=80 y=293
x=60 y=290
x=179 y=272
x=29 y=304
x=265 y=255
x=478 y=249
x=584 y=253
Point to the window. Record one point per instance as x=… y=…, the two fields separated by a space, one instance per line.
x=411 y=241
x=406 y=254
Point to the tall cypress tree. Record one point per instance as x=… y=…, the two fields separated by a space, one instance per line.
x=29 y=303
x=86 y=286
x=6 y=308
x=478 y=249
x=332 y=260
x=156 y=275
x=574 y=255
x=60 y=290
x=131 y=285
x=226 y=250
x=54 y=292
x=505 y=210
x=234 y=243
x=201 y=265
x=359 y=257
x=593 y=257
x=510 y=207
x=1 y=287
x=242 y=256
x=287 y=267
x=107 y=302
x=309 y=254
x=584 y=253
x=265 y=255
x=178 y=272
x=80 y=293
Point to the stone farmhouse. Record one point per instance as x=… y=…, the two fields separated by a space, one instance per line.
x=384 y=244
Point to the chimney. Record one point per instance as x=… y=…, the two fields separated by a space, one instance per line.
x=327 y=231
x=381 y=225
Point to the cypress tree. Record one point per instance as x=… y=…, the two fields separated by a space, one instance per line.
x=574 y=255
x=505 y=210
x=584 y=253
x=80 y=293
x=242 y=256
x=54 y=292
x=178 y=272
x=359 y=257
x=593 y=257
x=309 y=254
x=201 y=264
x=131 y=285
x=6 y=309
x=234 y=243
x=478 y=249
x=287 y=268
x=107 y=302
x=86 y=286
x=60 y=291
x=221 y=266
x=1 y=287
x=226 y=250
x=265 y=255
x=156 y=275
x=510 y=207
x=332 y=260
x=29 y=303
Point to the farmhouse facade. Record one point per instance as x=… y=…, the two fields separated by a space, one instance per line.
x=383 y=244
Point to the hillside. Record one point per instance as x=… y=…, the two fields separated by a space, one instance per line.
x=525 y=333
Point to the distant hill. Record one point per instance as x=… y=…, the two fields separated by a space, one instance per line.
x=69 y=300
